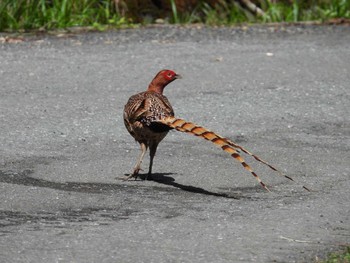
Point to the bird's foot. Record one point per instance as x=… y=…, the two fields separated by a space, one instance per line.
x=134 y=174
x=130 y=176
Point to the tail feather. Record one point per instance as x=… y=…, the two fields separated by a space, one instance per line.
x=225 y=144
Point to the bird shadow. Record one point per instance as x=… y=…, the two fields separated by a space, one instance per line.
x=25 y=178
x=165 y=179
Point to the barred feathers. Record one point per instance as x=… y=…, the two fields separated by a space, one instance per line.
x=225 y=144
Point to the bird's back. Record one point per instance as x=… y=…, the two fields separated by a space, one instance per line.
x=143 y=110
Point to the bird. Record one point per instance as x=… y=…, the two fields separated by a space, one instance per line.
x=142 y=113
x=148 y=117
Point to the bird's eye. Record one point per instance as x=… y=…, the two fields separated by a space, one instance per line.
x=169 y=75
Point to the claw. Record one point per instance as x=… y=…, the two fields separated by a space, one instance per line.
x=134 y=174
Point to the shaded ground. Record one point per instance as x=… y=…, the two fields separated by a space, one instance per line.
x=281 y=92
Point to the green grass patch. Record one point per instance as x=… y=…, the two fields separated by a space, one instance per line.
x=297 y=11
x=43 y=14
x=300 y=11
x=23 y=15
x=342 y=257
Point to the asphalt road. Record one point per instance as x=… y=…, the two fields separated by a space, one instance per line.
x=281 y=92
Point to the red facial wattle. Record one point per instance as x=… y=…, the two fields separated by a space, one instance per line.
x=169 y=74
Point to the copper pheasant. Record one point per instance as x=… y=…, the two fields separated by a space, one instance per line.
x=142 y=113
x=148 y=116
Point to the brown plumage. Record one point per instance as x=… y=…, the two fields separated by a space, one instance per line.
x=142 y=112
x=148 y=116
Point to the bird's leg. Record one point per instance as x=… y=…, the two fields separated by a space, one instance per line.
x=137 y=167
x=153 y=149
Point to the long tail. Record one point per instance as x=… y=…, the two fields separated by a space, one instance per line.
x=225 y=144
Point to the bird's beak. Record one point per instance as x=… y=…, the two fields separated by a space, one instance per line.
x=178 y=76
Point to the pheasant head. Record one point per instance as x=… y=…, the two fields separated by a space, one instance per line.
x=163 y=78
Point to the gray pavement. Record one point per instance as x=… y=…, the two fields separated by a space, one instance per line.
x=281 y=92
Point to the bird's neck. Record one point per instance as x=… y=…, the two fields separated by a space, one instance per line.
x=156 y=88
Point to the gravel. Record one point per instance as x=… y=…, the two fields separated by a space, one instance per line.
x=280 y=91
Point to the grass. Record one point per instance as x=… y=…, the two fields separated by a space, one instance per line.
x=338 y=257
x=43 y=14
x=24 y=15
x=174 y=11
x=299 y=12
